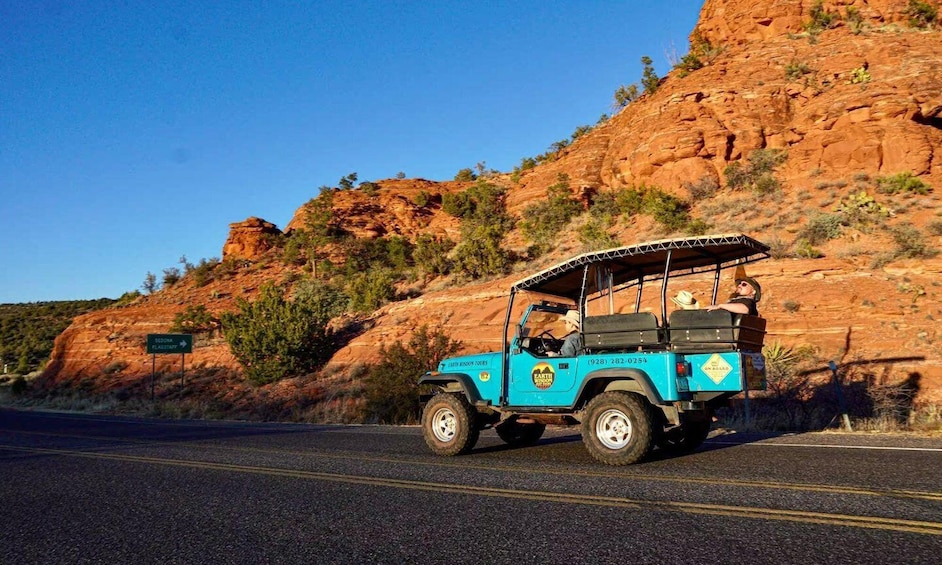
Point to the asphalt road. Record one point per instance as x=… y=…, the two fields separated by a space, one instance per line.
x=96 y=489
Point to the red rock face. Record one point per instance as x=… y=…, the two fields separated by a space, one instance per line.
x=250 y=239
x=848 y=104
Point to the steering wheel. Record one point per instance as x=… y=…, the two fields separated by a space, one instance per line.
x=547 y=334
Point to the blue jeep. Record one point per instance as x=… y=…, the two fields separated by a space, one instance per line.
x=640 y=378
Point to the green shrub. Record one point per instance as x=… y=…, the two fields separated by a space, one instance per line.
x=195 y=319
x=796 y=69
x=821 y=228
x=362 y=254
x=860 y=75
x=758 y=173
x=821 y=19
x=861 y=210
x=921 y=14
x=202 y=273
x=171 y=276
x=804 y=249
x=593 y=234
x=391 y=386
x=422 y=199
x=703 y=189
x=368 y=290
x=580 y=131
x=649 y=79
x=480 y=253
x=934 y=227
x=325 y=299
x=854 y=19
x=371 y=189
x=431 y=254
x=625 y=95
x=465 y=175
x=481 y=203
x=911 y=244
x=150 y=283
x=346 y=183
x=546 y=218
x=274 y=338
x=905 y=183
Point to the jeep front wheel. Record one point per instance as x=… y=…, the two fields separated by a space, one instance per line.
x=618 y=428
x=448 y=425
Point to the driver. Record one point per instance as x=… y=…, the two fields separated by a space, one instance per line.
x=572 y=343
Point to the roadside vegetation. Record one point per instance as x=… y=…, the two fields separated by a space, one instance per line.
x=27 y=331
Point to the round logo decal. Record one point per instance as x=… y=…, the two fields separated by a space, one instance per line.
x=543 y=375
x=484 y=376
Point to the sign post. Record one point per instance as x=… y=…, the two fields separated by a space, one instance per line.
x=168 y=343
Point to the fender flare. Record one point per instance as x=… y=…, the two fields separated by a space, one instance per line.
x=641 y=383
x=464 y=381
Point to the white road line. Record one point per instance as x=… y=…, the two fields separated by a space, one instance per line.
x=759 y=443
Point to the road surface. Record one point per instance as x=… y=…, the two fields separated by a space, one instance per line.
x=102 y=489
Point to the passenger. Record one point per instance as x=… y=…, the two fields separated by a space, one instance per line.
x=748 y=293
x=572 y=343
x=686 y=300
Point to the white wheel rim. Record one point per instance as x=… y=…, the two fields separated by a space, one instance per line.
x=444 y=425
x=613 y=428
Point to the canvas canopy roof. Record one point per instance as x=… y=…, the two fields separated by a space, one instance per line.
x=645 y=261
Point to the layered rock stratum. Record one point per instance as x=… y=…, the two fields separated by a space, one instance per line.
x=848 y=104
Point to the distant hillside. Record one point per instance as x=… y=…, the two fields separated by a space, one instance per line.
x=27 y=331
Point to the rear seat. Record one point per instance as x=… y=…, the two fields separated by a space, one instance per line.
x=719 y=330
x=621 y=331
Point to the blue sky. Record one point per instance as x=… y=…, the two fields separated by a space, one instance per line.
x=133 y=133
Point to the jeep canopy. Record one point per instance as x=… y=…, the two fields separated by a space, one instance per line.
x=643 y=262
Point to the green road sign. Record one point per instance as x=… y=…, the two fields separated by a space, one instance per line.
x=169 y=343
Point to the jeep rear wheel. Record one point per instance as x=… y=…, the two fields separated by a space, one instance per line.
x=618 y=428
x=516 y=434
x=449 y=425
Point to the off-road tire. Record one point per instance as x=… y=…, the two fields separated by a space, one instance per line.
x=685 y=438
x=618 y=428
x=449 y=424
x=519 y=435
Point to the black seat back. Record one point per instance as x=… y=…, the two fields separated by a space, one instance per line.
x=621 y=331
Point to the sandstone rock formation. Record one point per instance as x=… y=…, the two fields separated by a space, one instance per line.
x=249 y=239
x=848 y=104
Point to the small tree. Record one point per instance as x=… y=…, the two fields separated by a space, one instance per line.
x=150 y=283
x=274 y=338
x=625 y=95
x=194 y=320
x=465 y=175
x=171 y=276
x=431 y=254
x=391 y=386
x=347 y=182
x=546 y=218
x=649 y=79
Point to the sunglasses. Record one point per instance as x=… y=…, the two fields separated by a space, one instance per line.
x=744 y=284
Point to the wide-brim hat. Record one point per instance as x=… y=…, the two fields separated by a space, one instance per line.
x=572 y=317
x=755 y=285
x=686 y=300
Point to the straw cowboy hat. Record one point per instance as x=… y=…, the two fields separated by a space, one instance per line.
x=685 y=300
x=572 y=317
